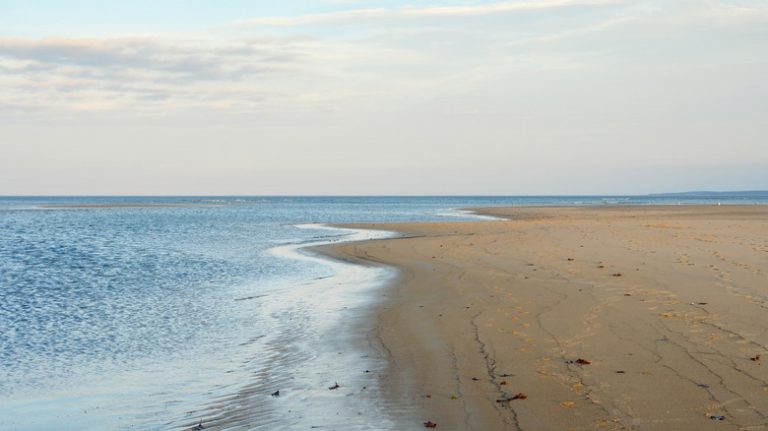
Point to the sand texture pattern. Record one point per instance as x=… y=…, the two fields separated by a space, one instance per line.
x=616 y=318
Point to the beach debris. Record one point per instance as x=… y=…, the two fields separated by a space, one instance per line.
x=570 y=259
x=502 y=383
x=475 y=379
x=275 y=394
x=568 y=404
x=621 y=372
x=508 y=398
x=579 y=361
x=702 y=385
x=506 y=375
x=702 y=303
x=454 y=397
x=199 y=426
x=430 y=424
x=627 y=294
x=717 y=417
x=601 y=266
x=334 y=387
x=427 y=396
x=755 y=358
x=616 y=274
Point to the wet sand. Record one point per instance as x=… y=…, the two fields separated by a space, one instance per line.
x=641 y=318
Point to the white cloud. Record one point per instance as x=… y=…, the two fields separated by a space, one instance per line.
x=190 y=59
x=357 y=15
x=147 y=71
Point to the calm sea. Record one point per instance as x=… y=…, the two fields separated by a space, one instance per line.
x=159 y=312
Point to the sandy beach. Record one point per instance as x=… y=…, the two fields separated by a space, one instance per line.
x=609 y=318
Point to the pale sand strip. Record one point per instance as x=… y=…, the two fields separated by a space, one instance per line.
x=673 y=341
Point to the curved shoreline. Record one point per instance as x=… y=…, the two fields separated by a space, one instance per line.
x=327 y=367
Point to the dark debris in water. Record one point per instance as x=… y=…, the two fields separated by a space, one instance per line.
x=334 y=387
x=430 y=424
x=717 y=417
x=246 y=298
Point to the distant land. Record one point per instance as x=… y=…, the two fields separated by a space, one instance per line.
x=707 y=194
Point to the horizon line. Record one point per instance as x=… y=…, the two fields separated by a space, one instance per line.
x=372 y=195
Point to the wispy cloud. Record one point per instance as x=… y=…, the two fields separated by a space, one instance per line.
x=189 y=59
x=112 y=72
x=419 y=12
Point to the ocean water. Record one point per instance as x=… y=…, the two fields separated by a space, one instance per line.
x=155 y=313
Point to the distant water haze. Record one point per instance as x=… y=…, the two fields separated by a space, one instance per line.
x=329 y=97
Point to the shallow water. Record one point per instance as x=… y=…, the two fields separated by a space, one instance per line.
x=155 y=313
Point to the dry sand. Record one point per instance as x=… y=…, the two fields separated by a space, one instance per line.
x=666 y=307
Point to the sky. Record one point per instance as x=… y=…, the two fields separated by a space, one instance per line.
x=368 y=97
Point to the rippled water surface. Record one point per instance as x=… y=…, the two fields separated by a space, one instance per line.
x=152 y=313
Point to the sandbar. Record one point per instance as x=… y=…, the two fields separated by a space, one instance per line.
x=586 y=318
